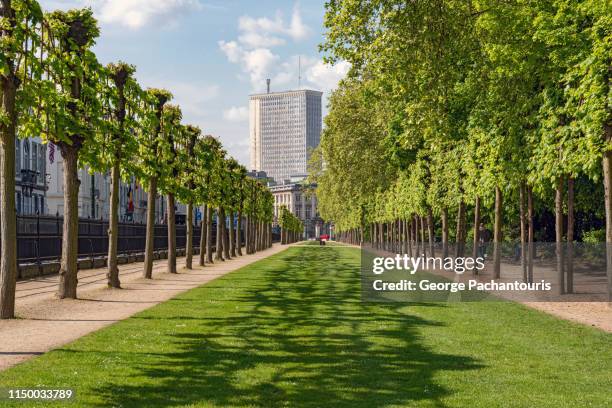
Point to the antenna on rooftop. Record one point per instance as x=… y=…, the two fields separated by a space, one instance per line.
x=268 y=84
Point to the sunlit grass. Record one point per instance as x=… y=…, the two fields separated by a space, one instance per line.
x=292 y=331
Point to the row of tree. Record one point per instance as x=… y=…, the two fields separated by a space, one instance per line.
x=495 y=111
x=292 y=228
x=52 y=85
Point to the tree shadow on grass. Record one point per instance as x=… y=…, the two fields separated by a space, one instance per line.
x=299 y=336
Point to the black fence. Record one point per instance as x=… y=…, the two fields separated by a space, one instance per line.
x=39 y=238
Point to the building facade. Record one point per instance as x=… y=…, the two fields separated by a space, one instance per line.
x=39 y=188
x=294 y=197
x=283 y=128
x=30 y=177
x=94 y=195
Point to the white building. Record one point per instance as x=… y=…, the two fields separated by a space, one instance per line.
x=94 y=195
x=284 y=127
x=302 y=203
x=30 y=176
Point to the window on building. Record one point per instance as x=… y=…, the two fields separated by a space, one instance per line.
x=26 y=155
x=27 y=207
x=18 y=202
x=35 y=157
x=41 y=164
x=17 y=157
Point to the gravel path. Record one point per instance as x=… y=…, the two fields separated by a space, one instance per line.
x=597 y=314
x=46 y=322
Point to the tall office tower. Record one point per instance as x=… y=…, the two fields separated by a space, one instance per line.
x=284 y=127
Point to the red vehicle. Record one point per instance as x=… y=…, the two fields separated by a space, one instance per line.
x=324 y=237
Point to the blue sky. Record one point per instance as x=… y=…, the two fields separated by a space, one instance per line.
x=212 y=54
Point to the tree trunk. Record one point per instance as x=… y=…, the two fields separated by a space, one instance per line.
x=476 y=229
x=444 y=232
x=247 y=234
x=460 y=237
x=497 y=234
x=409 y=236
x=70 y=238
x=422 y=225
x=226 y=254
x=570 y=235
x=209 y=217
x=150 y=238
x=219 y=243
x=8 y=221
x=203 y=230
x=393 y=236
x=530 y=236
x=373 y=235
x=417 y=244
x=402 y=232
x=112 y=275
x=523 y=222
x=269 y=235
x=607 y=172
x=430 y=232
x=253 y=235
x=171 y=235
x=232 y=239
x=559 y=234
x=239 y=234
x=259 y=236
x=189 y=238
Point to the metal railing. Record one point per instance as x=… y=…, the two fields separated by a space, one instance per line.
x=39 y=238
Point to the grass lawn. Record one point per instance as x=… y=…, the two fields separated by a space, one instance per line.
x=292 y=331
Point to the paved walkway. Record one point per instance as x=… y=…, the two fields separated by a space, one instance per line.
x=46 y=322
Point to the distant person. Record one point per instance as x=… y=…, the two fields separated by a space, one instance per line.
x=484 y=236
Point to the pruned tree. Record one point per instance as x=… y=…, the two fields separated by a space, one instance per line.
x=151 y=166
x=20 y=71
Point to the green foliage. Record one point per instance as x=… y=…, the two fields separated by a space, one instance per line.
x=594 y=236
x=448 y=100
x=290 y=222
x=66 y=96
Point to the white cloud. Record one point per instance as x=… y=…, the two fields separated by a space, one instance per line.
x=232 y=50
x=138 y=13
x=267 y=32
x=257 y=63
x=252 y=50
x=297 y=29
x=327 y=76
x=236 y=113
x=254 y=39
x=133 y=14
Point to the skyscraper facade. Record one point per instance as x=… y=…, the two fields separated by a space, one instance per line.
x=284 y=127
